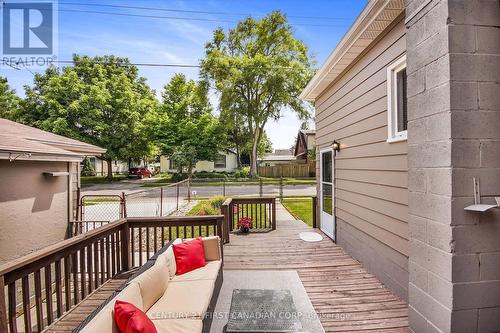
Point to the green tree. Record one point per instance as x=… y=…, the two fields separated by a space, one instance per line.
x=9 y=101
x=259 y=69
x=238 y=136
x=186 y=131
x=87 y=168
x=100 y=100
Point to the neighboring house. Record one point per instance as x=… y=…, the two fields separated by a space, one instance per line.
x=101 y=166
x=412 y=98
x=279 y=156
x=225 y=162
x=306 y=141
x=39 y=177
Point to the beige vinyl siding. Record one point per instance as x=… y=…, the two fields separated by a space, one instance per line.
x=371 y=180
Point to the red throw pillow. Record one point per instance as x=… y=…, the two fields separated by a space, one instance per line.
x=189 y=256
x=130 y=319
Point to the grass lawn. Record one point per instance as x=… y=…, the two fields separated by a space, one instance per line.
x=100 y=179
x=300 y=208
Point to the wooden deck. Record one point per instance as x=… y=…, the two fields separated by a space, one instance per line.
x=344 y=294
x=346 y=297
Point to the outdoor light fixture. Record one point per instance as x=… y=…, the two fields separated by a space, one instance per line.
x=336 y=146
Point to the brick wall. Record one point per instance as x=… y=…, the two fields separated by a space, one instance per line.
x=454 y=135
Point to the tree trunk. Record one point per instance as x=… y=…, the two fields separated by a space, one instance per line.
x=238 y=158
x=110 y=169
x=253 y=157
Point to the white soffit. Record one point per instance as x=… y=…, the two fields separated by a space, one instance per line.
x=373 y=20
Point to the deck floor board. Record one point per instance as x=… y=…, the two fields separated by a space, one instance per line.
x=346 y=297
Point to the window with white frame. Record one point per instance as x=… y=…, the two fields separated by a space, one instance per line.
x=172 y=165
x=397 y=109
x=220 y=162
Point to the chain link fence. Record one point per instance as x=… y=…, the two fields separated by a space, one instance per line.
x=159 y=201
x=279 y=187
x=97 y=210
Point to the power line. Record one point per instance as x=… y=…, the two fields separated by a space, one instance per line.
x=194 y=11
x=188 y=18
x=145 y=64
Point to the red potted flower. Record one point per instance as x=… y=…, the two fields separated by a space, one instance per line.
x=245 y=223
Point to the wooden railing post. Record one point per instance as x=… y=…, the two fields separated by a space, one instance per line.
x=78 y=203
x=3 y=307
x=273 y=218
x=281 y=188
x=125 y=247
x=314 y=211
x=226 y=211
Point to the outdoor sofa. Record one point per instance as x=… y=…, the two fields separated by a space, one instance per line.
x=175 y=303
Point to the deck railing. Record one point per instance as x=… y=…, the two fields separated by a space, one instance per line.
x=38 y=288
x=261 y=210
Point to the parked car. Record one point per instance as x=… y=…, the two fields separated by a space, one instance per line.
x=140 y=172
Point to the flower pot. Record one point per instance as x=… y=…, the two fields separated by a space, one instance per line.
x=244 y=230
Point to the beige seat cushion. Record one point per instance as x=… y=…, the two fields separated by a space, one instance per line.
x=153 y=282
x=104 y=321
x=209 y=272
x=179 y=325
x=211 y=246
x=168 y=255
x=188 y=299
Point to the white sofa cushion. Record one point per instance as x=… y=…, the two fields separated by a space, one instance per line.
x=178 y=325
x=187 y=299
x=153 y=282
x=208 y=272
x=104 y=321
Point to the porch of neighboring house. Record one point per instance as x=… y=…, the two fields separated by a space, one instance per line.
x=344 y=295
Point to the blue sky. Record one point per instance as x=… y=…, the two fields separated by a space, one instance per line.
x=154 y=40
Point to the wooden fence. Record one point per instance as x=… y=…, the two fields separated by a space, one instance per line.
x=288 y=170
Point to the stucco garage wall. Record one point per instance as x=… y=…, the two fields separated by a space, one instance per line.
x=371 y=185
x=33 y=207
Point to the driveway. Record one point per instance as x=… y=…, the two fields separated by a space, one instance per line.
x=135 y=185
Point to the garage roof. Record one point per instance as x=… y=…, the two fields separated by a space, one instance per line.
x=18 y=141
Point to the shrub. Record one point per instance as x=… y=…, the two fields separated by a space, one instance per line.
x=207 y=209
x=242 y=173
x=87 y=168
x=205 y=174
x=177 y=177
x=216 y=202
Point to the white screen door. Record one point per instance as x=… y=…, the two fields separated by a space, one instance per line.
x=327 y=216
